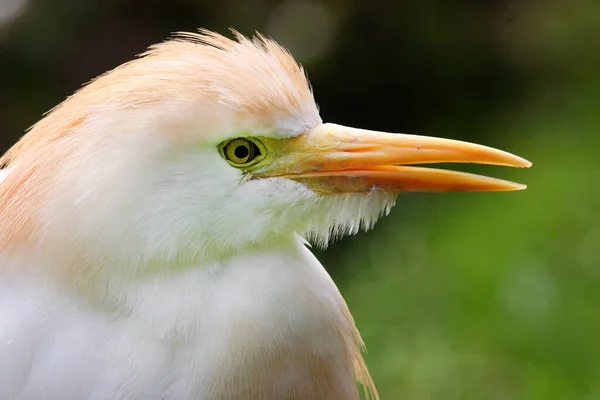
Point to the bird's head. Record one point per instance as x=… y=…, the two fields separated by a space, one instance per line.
x=206 y=146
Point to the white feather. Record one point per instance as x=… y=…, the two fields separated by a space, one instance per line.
x=180 y=335
x=3 y=174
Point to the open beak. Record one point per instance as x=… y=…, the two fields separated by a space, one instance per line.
x=337 y=159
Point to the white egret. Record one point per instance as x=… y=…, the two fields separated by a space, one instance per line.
x=153 y=226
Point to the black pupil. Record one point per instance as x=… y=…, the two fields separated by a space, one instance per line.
x=242 y=152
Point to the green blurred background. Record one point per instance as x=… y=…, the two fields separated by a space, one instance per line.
x=458 y=296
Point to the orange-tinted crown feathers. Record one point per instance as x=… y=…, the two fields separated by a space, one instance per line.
x=255 y=77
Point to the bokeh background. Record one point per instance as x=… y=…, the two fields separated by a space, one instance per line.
x=458 y=296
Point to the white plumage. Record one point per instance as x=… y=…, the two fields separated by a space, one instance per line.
x=210 y=332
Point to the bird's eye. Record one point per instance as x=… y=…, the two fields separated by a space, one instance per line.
x=242 y=152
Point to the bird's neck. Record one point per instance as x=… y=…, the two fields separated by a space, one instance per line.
x=283 y=284
x=276 y=310
x=272 y=318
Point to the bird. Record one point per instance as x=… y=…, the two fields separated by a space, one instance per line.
x=155 y=230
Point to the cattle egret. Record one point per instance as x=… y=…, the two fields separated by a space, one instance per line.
x=153 y=227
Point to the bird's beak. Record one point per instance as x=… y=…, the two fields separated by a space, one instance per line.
x=337 y=159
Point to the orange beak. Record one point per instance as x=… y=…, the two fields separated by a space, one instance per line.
x=337 y=159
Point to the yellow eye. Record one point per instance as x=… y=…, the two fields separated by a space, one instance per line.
x=242 y=152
